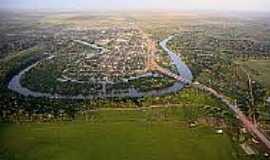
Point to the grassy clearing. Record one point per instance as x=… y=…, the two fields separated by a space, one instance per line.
x=260 y=70
x=150 y=134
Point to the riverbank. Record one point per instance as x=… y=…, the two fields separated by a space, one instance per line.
x=15 y=83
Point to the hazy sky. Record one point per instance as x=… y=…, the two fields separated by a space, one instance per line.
x=241 y=5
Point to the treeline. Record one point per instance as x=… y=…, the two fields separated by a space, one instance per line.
x=14 y=64
x=213 y=65
x=26 y=109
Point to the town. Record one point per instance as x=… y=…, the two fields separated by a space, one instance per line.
x=134 y=85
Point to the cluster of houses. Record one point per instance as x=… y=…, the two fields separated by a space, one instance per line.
x=110 y=56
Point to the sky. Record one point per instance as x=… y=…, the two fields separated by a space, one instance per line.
x=229 y=5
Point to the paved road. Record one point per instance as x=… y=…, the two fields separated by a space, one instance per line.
x=136 y=109
x=15 y=83
x=239 y=114
x=182 y=69
x=169 y=73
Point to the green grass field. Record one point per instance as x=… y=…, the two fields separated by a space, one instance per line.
x=116 y=135
x=260 y=70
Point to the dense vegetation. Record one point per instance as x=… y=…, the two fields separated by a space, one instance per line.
x=220 y=52
x=214 y=63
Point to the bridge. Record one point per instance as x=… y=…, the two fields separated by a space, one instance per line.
x=151 y=64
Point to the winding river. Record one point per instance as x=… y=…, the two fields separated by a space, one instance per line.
x=182 y=68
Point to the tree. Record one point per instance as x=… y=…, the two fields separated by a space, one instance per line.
x=256 y=95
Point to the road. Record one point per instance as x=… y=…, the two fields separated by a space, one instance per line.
x=16 y=86
x=172 y=75
x=185 y=75
x=181 y=67
x=239 y=114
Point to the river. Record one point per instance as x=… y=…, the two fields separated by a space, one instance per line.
x=182 y=68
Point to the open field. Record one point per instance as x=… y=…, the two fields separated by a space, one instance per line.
x=259 y=69
x=112 y=135
x=103 y=53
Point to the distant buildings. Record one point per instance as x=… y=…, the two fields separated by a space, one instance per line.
x=124 y=55
x=268 y=100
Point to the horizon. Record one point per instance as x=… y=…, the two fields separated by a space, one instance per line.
x=149 y=5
